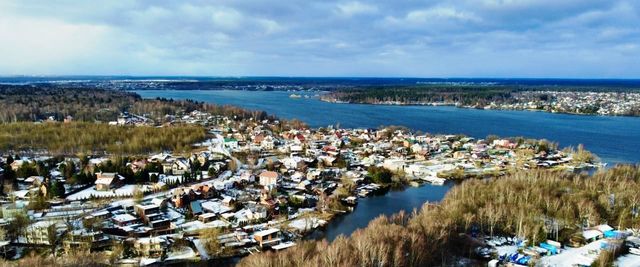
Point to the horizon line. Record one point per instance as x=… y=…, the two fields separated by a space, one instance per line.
x=303 y=77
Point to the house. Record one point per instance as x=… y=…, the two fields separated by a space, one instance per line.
x=180 y=166
x=297 y=163
x=22 y=194
x=215 y=207
x=268 y=143
x=248 y=215
x=150 y=246
x=137 y=165
x=124 y=219
x=106 y=181
x=145 y=211
x=85 y=239
x=35 y=180
x=17 y=163
x=205 y=191
x=299 y=139
x=12 y=209
x=38 y=233
x=207 y=217
x=267 y=238
x=268 y=178
x=231 y=143
x=504 y=143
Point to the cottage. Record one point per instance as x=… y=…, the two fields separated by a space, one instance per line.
x=106 y=181
x=269 y=178
x=180 y=166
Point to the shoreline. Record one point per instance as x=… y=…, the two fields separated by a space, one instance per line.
x=471 y=107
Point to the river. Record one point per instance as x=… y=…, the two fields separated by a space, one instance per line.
x=613 y=139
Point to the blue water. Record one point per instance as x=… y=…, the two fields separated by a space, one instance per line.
x=613 y=139
x=392 y=202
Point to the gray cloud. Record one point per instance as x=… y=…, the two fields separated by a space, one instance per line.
x=525 y=38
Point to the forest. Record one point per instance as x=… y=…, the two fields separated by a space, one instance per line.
x=44 y=101
x=524 y=204
x=32 y=103
x=97 y=139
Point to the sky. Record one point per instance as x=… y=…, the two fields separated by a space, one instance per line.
x=394 y=38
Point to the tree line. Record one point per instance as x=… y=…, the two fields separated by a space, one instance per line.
x=96 y=139
x=43 y=101
x=39 y=102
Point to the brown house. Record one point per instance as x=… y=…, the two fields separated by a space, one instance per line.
x=106 y=181
x=267 y=238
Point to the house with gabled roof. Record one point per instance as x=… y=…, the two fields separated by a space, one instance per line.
x=180 y=166
x=106 y=181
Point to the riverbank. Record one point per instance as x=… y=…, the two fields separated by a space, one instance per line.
x=488 y=107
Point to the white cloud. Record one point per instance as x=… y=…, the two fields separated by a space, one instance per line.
x=47 y=45
x=356 y=8
x=334 y=37
x=440 y=13
x=227 y=18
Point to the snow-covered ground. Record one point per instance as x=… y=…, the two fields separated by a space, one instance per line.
x=628 y=260
x=305 y=224
x=583 y=255
x=182 y=253
x=203 y=251
x=508 y=249
x=124 y=191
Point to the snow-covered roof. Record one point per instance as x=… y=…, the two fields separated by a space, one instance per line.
x=266 y=232
x=283 y=245
x=124 y=217
x=215 y=207
x=590 y=234
x=604 y=227
x=21 y=193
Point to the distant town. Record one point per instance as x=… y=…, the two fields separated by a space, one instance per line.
x=606 y=103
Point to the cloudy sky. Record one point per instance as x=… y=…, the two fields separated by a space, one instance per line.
x=410 y=38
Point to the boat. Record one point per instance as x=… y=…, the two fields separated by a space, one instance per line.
x=363 y=193
x=434 y=179
x=295 y=96
x=351 y=201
